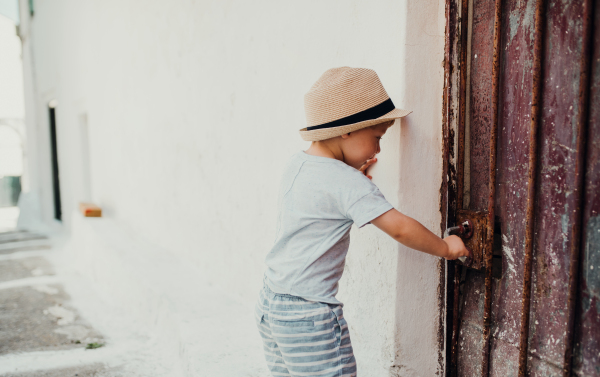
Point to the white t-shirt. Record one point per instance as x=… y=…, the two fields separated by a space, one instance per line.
x=320 y=199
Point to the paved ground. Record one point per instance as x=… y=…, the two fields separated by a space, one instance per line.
x=50 y=312
x=39 y=329
x=94 y=370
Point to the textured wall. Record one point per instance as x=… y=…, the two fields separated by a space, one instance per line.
x=11 y=72
x=193 y=109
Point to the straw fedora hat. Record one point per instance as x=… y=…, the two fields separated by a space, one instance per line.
x=344 y=100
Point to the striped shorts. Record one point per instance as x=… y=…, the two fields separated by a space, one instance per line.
x=304 y=338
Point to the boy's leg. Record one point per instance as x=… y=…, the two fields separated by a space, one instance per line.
x=312 y=337
x=346 y=352
x=273 y=356
x=271 y=350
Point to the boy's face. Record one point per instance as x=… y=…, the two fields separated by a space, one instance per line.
x=362 y=145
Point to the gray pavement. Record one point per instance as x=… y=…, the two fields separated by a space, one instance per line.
x=24 y=268
x=36 y=316
x=94 y=370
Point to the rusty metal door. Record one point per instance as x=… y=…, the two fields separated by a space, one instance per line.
x=522 y=162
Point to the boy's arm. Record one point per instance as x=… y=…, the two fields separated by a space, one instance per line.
x=411 y=233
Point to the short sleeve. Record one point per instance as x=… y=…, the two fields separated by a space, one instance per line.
x=368 y=207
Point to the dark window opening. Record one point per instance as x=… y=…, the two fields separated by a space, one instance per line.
x=54 y=155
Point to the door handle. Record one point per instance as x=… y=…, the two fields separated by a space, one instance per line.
x=468 y=260
x=472 y=229
x=465 y=231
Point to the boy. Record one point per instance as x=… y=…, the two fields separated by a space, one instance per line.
x=324 y=190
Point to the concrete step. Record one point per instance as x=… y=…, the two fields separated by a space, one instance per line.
x=38 y=323
x=19 y=235
x=14 y=241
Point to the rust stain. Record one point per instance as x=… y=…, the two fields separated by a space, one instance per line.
x=448 y=187
x=487 y=308
x=447 y=194
x=542 y=280
x=477 y=243
x=470 y=328
x=462 y=106
x=481 y=119
x=441 y=318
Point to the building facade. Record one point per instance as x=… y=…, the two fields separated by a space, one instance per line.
x=178 y=117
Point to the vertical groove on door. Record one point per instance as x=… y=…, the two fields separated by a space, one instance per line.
x=462 y=103
x=448 y=187
x=460 y=166
x=487 y=308
x=536 y=105
x=582 y=122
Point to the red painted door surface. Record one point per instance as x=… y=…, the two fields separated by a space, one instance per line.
x=564 y=306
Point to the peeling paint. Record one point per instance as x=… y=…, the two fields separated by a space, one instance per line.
x=509 y=252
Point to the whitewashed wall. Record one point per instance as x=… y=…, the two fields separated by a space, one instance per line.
x=193 y=108
x=11 y=72
x=12 y=109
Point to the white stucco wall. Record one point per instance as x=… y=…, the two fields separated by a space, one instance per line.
x=192 y=111
x=11 y=72
x=12 y=109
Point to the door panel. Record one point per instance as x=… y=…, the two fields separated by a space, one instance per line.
x=480 y=117
x=517 y=40
x=555 y=199
x=556 y=211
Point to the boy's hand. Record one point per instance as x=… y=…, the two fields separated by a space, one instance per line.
x=456 y=248
x=366 y=165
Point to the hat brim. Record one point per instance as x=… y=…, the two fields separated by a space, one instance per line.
x=328 y=133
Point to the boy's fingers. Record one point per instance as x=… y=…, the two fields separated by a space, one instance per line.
x=367 y=164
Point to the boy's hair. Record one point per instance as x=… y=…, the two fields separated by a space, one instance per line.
x=388 y=123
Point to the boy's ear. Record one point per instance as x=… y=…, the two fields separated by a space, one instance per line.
x=345 y=136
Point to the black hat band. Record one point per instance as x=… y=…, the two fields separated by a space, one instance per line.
x=368 y=114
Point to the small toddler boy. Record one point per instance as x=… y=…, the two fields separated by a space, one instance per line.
x=324 y=190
